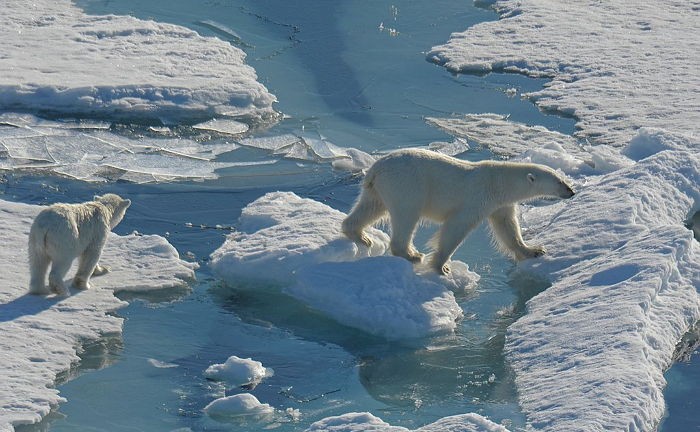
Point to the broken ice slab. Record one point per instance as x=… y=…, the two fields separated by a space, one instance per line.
x=273 y=143
x=224 y=126
x=457 y=146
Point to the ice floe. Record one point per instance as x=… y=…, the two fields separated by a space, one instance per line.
x=237 y=372
x=82 y=151
x=291 y=146
x=40 y=337
x=366 y=422
x=236 y=406
x=615 y=66
x=591 y=351
x=296 y=244
x=121 y=67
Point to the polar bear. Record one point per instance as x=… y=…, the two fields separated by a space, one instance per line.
x=415 y=184
x=62 y=232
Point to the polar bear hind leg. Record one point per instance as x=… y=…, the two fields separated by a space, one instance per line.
x=404 y=219
x=506 y=232
x=38 y=267
x=87 y=265
x=59 y=268
x=368 y=209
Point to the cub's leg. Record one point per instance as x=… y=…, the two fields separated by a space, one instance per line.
x=368 y=209
x=38 y=266
x=87 y=265
x=59 y=268
x=403 y=226
x=506 y=231
x=451 y=234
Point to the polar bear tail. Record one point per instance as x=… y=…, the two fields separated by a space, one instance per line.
x=38 y=261
x=368 y=209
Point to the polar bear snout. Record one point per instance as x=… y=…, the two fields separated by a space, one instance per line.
x=568 y=192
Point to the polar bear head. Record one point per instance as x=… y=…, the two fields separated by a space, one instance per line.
x=546 y=183
x=116 y=205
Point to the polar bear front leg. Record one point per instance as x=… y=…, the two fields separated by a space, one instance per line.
x=449 y=237
x=88 y=265
x=506 y=231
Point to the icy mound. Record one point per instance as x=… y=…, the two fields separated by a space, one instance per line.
x=56 y=58
x=237 y=372
x=41 y=336
x=240 y=405
x=591 y=351
x=297 y=243
x=366 y=422
x=642 y=72
x=280 y=233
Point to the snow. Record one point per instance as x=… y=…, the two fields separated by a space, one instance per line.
x=121 y=67
x=615 y=66
x=626 y=280
x=238 y=372
x=40 y=337
x=591 y=350
x=230 y=407
x=366 y=422
x=296 y=244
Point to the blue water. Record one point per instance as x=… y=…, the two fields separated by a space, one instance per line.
x=338 y=76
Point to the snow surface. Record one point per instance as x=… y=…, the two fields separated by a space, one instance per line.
x=366 y=422
x=591 y=351
x=237 y=372
x=239 y=405
x=615 y=66
x=296 y=243
x=120 y=66
x=41 y=336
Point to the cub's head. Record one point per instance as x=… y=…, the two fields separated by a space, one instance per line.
x=545 y=182
x=116 y=204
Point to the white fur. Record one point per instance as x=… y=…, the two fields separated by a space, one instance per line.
x=413 y=184
x=63 y=232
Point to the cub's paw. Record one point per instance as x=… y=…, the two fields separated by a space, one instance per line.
x=533 y=252
x=81 y=283
x=101 y=270
x=58 y=288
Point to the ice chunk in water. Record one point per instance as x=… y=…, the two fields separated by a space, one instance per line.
x=225 y=126
x=231 y=407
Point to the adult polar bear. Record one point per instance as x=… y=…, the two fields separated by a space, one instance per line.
x=62 y=232
x=413 y=184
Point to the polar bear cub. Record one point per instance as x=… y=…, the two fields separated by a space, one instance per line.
x=415 y=184
x=63 y=232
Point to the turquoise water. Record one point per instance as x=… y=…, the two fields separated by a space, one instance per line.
x=336 y=75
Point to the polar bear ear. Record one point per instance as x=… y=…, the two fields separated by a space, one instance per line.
x=126 y=203
x=531 y=177
x=96 y=198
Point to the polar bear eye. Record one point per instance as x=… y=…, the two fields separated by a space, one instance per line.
x=531 y=177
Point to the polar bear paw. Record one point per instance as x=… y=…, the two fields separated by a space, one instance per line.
x=533 y=252
x=101 y=270
x=81 y=283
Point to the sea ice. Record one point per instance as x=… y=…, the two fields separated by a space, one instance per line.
x=297 y=244
x=40 y=336
x=591 y=351
x=120 y=66
x=237 y=372
x=94 y=154
x=615 y=66
x=366 y=422
x=239 y=405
